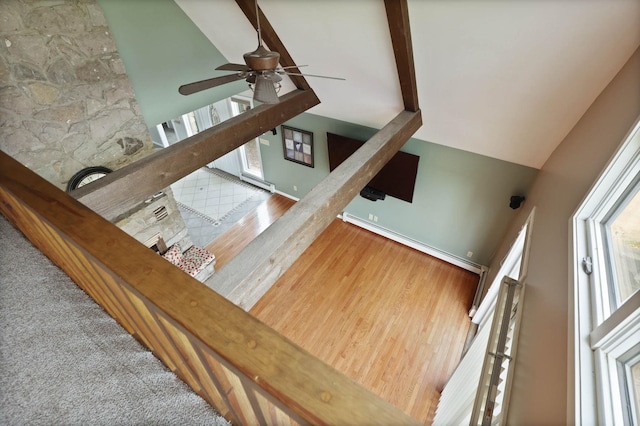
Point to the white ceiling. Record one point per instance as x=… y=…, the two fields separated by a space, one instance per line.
x=505 y=79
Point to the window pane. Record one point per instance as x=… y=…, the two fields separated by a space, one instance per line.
x=251 y=157
x=635 y=385
x=624 y=232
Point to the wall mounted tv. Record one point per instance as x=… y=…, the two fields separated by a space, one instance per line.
x=396 y=179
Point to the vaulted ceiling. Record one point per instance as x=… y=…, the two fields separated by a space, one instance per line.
x=505 y=79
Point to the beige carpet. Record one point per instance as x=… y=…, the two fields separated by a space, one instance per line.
x=65 y=361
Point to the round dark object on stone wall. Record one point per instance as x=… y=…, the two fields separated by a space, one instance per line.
x=87 y=175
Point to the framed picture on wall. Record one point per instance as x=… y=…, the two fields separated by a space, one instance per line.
x=297 y=145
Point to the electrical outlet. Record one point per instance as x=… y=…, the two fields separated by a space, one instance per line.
x=295 y=187
x=264 y=141
x=469 y=254
x=375 y=218
x=370 y=216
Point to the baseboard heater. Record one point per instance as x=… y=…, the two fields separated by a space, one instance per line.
x=259 y=183
x=409 y=242
x=404 y=240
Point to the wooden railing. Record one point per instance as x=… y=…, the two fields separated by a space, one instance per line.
x=246 y=370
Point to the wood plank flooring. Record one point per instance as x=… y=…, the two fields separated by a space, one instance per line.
x=391 y=318
x=229 y=244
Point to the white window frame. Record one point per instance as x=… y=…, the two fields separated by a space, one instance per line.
x=602 y=335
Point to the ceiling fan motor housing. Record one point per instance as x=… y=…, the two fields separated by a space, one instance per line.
x=262 y=59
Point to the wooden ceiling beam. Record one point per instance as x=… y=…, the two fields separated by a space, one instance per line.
x=123 y=190
x=400 y=31
x=254 y=270
x=271 y=39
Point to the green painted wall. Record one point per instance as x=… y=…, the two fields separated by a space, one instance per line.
x=162 y=49
x=461 y=200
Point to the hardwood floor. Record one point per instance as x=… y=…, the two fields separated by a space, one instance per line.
x=391 y=318
x=229 y=244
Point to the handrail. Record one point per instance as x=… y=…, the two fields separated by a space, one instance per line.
x=248 y=371
x=494 y=387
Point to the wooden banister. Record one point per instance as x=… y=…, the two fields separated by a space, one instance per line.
x=248 y=371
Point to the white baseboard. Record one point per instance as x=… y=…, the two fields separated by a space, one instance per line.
x=432 y=251
x=399 y=238
x=284 y=194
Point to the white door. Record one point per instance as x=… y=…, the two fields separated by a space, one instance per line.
x=182 y=127
x=249 y=153
x=210 y=116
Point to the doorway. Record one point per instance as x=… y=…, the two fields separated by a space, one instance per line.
x=250 y=159
x=214 y=197
x=245 y=162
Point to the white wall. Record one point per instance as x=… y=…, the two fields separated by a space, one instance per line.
x=542 y=389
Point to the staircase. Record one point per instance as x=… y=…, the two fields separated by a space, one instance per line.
x=478 y=391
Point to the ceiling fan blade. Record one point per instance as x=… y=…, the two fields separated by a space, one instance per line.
x=313 y=75
x=291 y=66
x=233 y=67
x=188 y=89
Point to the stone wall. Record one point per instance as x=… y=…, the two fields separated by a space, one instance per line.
x=65 y=100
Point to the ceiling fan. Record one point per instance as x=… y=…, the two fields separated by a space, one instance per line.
x=261 y=71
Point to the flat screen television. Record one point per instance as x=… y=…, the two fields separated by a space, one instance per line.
x=396 y=179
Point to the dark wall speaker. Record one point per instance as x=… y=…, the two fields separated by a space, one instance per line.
x=516 y=201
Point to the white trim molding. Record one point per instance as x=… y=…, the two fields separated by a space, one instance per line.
x=284 y=194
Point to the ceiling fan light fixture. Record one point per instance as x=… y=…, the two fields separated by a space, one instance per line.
x=264 y=90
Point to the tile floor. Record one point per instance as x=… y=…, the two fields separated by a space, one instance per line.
x=211 y=201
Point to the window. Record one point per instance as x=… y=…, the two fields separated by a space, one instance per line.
x=629 y=370
x=623 y=236
x=606 y=275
